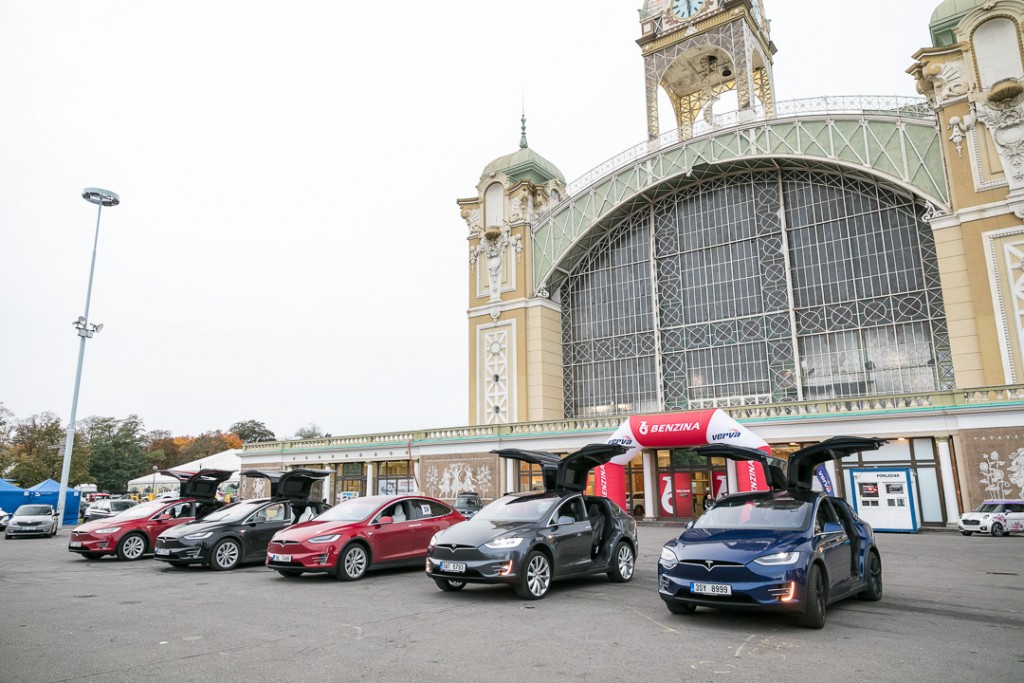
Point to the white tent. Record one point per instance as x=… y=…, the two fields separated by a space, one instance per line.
x=225 y=460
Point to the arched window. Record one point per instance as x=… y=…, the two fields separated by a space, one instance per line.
x=997 y=51
x=494 y=205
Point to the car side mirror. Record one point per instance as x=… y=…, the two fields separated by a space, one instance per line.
x=565 y=519
x=163 y=518
x=385 y=520
x=832 y=528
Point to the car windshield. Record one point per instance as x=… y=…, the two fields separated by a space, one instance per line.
x=758 y=513
x=27 y=510
x=988 y=507
x=517 y=509
x=234 y=513
x=141 y=510
x=351 y=510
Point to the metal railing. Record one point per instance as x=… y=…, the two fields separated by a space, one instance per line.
x=888 y=105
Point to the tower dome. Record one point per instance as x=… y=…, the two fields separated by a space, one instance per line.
x=946 y=17
x=524 y=164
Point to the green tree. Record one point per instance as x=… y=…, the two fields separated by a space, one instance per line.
x=208 y=443
x=310 y=431
x=252 y=431
x=7 y=422
x=37 y=447
x=118 y=451
x=165 y=449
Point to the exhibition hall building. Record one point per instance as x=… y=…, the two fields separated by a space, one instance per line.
x=811 y=268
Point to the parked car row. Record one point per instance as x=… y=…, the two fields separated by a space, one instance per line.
x=788 y=549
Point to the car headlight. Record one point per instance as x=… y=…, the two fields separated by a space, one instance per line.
x=986 y=516
x=198 y=535
x=504 y=543
x=778 y=559
x=669 y=558
x=433 y=541
x=329 y=538
x=107 y=530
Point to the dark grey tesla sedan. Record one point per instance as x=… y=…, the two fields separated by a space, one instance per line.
x=527 y=540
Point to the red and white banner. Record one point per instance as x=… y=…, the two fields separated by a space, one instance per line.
x=678 y=430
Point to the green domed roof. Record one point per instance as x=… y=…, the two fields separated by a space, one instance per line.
x=946 y=17
x=524 y=164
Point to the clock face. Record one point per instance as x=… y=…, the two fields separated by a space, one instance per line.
x=684 y=9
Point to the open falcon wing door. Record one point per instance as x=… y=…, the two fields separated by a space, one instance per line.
x=773 y=473
x=203 y=485
x=294 y=485
x=547 y=461
x=573 y=470
x=804 y=461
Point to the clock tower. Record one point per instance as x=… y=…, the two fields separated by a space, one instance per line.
x=696 y=50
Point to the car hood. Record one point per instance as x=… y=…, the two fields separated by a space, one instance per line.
x=479 y=531
x=192 y=528
x=104 y=522
x=735 y=545
x=306 y=530
x=31 y=518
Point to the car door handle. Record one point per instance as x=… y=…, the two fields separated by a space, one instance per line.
x=412 y=526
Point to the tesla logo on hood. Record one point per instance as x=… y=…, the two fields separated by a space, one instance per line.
x=709 y=564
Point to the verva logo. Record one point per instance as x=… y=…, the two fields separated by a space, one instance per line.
x=734 y=434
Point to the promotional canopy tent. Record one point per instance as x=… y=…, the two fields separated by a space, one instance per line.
x=12 y=496
x=679 y=430
x=225 y=460
x=48 y=491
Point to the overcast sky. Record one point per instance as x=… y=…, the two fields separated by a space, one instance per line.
x=288 y=247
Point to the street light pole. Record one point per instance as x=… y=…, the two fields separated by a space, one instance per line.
x=100 y=198
x=153 y=490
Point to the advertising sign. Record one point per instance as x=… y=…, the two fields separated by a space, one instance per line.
x=679 y=430
x=674 y=495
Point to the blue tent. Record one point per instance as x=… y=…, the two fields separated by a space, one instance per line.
x=11 y=496
x=48 y=491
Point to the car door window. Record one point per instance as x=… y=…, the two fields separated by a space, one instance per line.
x=824 y=515
x=395 y=511
x=277 y=512
x=571 y=508
x=179 y=511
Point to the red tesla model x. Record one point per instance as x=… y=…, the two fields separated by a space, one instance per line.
x=360 y=534
x=132 y=533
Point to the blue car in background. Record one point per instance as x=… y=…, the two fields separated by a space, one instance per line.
x=790 y=549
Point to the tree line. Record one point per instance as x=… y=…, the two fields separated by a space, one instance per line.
x=108 y=451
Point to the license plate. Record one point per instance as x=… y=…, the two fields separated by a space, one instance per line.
x=162 y=551
x=711 y=588
x=454 y=567
x=75 y=544
x=280 y=558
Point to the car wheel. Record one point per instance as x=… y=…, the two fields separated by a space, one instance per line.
x=353 y=563
x=536 y=577
x=813 y=615
x=681 y=607
x=997 y=530
x=289 y=573
x=623 y=563
x=131 y=547
x=874 y=579
x=225 y=555
x=967 y=533
x=450 y=585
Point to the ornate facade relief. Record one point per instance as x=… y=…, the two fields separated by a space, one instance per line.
x=1005 y=121
x=494 y=243
x=496 y=391
x=941 y=82
x=959 y=128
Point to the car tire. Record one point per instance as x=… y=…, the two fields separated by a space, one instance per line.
x=131 y=547
x=623 y=563
x=815 y=599
x=353 y=562
x=681 y=607
x=967 y=533
x=226 y=555
x=873 y=577
x=535 y=578
x=997 y=530
x=289 y=573
x=450 y=585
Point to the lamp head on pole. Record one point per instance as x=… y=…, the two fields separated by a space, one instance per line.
x=95 y=195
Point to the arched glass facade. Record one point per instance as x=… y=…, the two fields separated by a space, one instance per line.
x=757 y=287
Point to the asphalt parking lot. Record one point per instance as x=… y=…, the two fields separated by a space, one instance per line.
x=953 y=610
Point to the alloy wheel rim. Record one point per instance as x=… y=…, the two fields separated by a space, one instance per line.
x=626 y=562
x=227 y=554
x=538 y=576
x=133 y=547
x=819 y=595
x=355 y=562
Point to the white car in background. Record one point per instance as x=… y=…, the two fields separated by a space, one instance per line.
x=996 y=517
x=32 y=520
